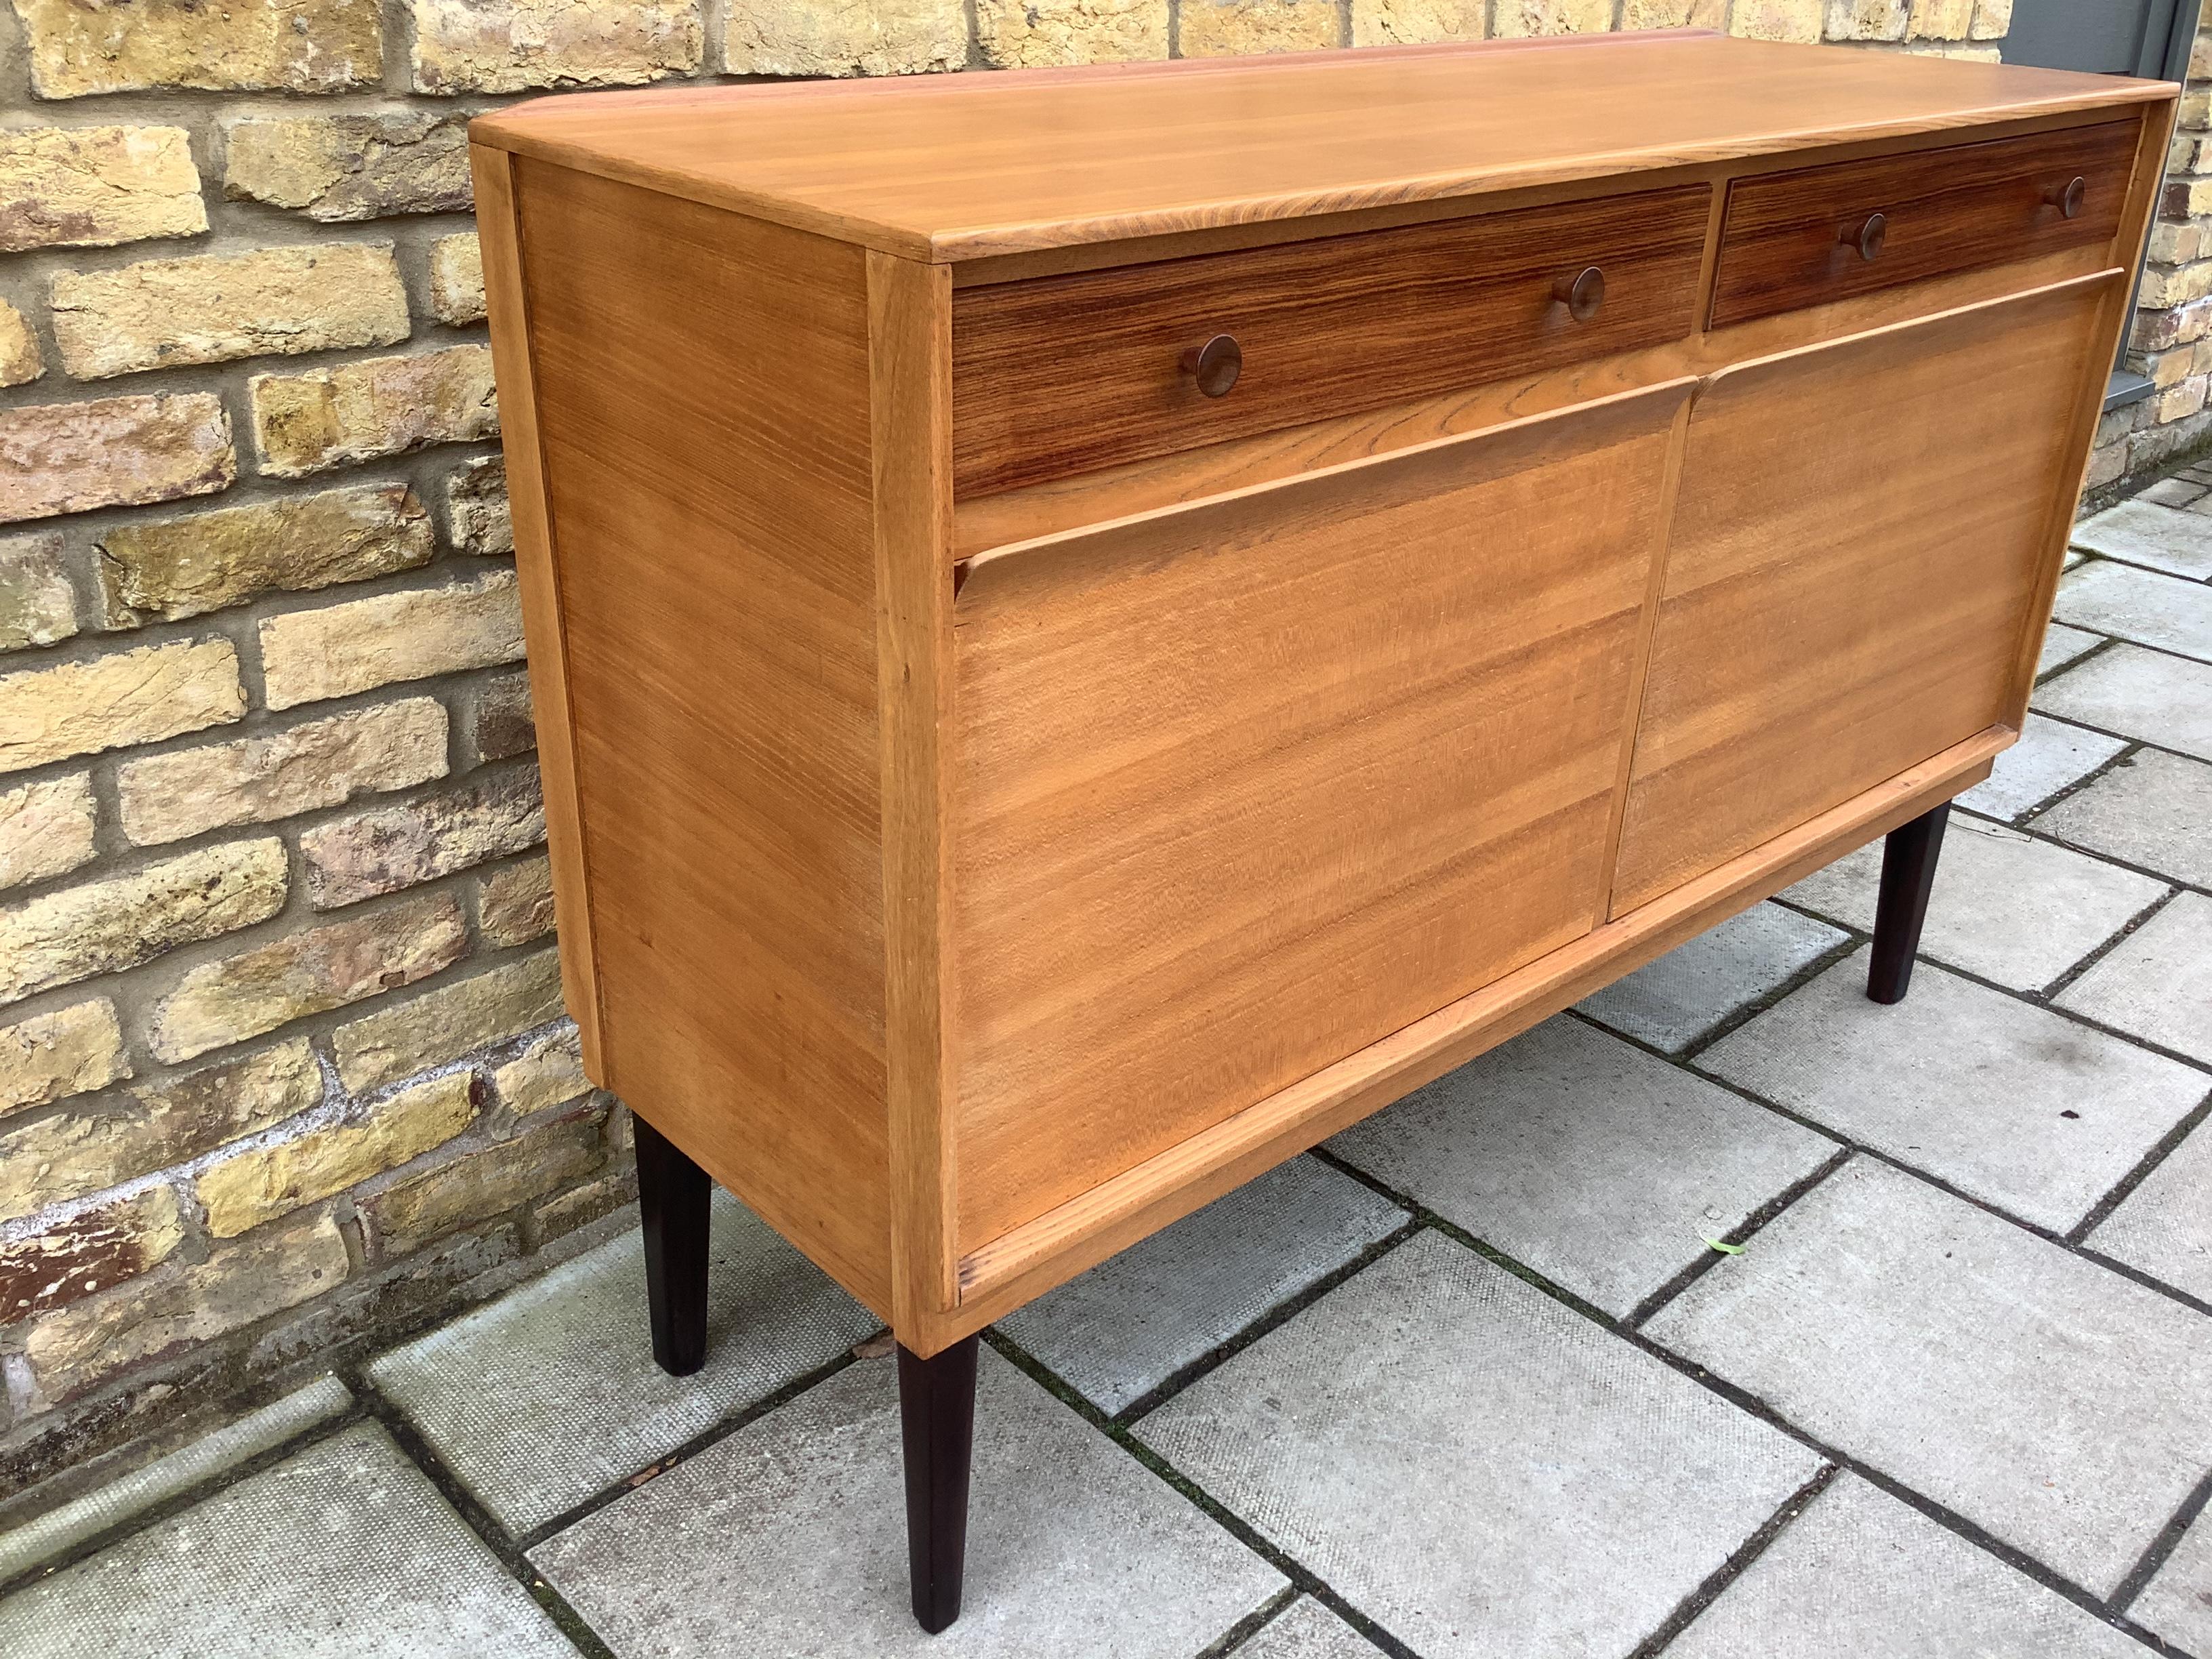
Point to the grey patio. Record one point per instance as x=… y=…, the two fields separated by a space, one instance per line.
x=1727 y=1317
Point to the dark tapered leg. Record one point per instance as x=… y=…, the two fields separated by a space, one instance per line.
x=937 y=1411
x=1908 y=875
x=672 y=1194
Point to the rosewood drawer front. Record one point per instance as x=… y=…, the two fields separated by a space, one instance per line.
x=1793 y=239
x=1845 y=595
x=1245 y=787
x=1058 y=375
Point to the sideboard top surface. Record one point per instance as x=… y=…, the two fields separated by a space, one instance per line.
x=953 y=167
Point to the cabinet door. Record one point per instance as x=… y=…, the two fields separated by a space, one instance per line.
x=1243 y=787
x=1863 y=544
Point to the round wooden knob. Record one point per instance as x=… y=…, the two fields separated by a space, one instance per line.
x=2069 y=197
x=1215 y=365
x=1868 y=238
x=1581 y=294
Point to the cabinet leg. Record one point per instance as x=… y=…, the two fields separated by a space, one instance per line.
x=937 y=1415
x=672 y=1195
x=1908 y=876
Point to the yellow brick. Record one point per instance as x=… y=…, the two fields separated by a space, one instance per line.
x=80 y=47
x=509 y=46
x=307 y=655
x=1043 y=34
x=1232 y=28
x=267 y=1182
x=1516 y=19
x=169 y=313
x=96 y=186
x=379 y=406
x=21 y=359
x=106 y=702
x=1408 y=22
x=114 y=452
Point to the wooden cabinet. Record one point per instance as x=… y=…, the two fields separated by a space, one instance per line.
x=1091 y=627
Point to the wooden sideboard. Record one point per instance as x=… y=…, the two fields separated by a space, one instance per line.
x=1091 y=627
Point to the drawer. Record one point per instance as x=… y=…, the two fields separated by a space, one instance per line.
x=1059 y=375
x=1243 y=787
x=1793 y=239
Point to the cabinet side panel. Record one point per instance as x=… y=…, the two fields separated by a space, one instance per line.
x=492 y=172
x=702 y=386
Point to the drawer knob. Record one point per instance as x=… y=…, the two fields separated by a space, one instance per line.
x=1215 y=365
x=1868 y=238
x=2069 y=198
x=1583 y=295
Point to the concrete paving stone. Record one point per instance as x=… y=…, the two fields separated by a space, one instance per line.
x=2164 y=1228
x=549 y=1394
x=2148 y=694
x=2170 y=492
x=2139 y=605
x=2177 y=1603
x=2153 y=810
x=1601 y=1167
x=2018 y=1106
x=2006 y=905
x=2148 y=533
x=789 y=1538
x=1672 y=1002
x=2048 y=756
x=2156 y=983
x=44 y=1536
x=1860 y=1574
x=2062 y=645
x=1307 y=1630
x=1475 y=1467
x=1127 y=1326
x=344 y=1552
x=2049 y=1400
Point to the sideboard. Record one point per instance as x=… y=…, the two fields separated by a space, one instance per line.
x=1091 y=627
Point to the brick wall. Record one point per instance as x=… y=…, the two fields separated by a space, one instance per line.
x=2172 y=341
x=281 y=1064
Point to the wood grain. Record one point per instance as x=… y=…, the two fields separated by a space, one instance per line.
x=491 y=171
x=990 y=164
x=1946 y=210
x=1843 y=598
x=1246 y=786
x=1032 y=1259
x=982 y=522
x=1065 y=375
x=711 y=491
x=909 y=370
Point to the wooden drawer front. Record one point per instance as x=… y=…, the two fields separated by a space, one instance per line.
x=1246 y=786
x=1844 y=599
x=1784 y=245
x=1065 y=375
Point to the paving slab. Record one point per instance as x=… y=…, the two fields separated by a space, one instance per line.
x=2151 y=810
x=344 y=1552
x=2050 y=1402
x=2050 y=757
x=1603 y=1168
x=2062 y=645
x=2008 y=907
x=2177 y=1603
x=789 y=1538
x=549 y=1396
x=2146 y=531
x=45 y=1536
x=2172 y=492
x=1307 y=1630
x=1861 y=1575
x=1677 y=1000
x=2164 y=1228
x=2156 y=983
x=1475 y=1467
x=2136 y=605
x=1130 y=1323
x=2016 y=1105
x=2147 y=695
